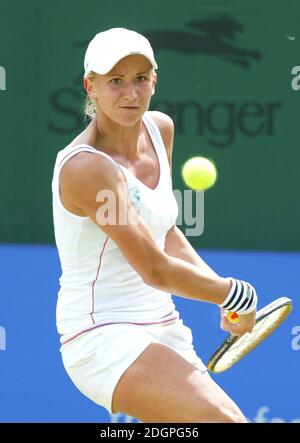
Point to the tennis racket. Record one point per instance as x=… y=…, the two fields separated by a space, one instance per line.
x=234 y=348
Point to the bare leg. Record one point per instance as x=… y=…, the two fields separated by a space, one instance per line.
x=161 y=386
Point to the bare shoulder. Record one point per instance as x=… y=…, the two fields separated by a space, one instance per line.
x=81 y=179
x=166 y=126
x=89 y=164
x=164 y=122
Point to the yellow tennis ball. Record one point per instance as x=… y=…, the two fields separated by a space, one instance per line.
x=199 y=173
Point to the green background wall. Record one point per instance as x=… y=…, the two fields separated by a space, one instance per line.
x=224 y=76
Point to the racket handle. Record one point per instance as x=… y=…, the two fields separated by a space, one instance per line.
x=232 y=317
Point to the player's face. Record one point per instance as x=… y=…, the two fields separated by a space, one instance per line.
x=124 y=94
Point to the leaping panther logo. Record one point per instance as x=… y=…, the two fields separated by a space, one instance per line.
x=212 y=36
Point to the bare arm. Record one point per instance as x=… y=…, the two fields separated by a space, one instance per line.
x=177 y=245
x=82 y=177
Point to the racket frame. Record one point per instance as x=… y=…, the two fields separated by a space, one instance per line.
x=260 y=315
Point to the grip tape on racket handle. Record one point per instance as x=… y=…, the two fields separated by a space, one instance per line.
x=232 y=317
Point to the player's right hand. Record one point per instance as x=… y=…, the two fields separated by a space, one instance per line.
x=246 y=323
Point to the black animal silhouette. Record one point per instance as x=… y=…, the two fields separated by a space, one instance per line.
x=212 y=36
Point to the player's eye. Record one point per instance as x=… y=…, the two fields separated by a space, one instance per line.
x=116 y=81
x=141 y=78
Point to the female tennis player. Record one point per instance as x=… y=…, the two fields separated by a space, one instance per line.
x=123 y=343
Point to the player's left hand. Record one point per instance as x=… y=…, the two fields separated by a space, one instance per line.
x=246 y=323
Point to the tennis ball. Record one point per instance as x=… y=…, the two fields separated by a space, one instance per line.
x=199 y=173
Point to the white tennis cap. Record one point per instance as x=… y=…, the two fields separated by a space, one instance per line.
x=108 y=47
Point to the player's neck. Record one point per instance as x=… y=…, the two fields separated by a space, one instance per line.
x=121 y=141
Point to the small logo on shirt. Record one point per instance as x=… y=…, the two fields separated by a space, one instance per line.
x=135 y=197
x=136 y=194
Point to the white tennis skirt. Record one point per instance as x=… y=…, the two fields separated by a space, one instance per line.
x=96 y=360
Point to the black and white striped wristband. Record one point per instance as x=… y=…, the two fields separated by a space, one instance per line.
x=242 y=297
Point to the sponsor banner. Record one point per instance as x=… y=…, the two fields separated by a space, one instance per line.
x=231 y=88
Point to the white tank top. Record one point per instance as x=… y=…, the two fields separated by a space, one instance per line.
x=98 y=286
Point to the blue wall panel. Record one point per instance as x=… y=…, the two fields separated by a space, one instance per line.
x=35 y=388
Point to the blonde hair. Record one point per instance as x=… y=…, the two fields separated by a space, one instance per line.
x=89 y=106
